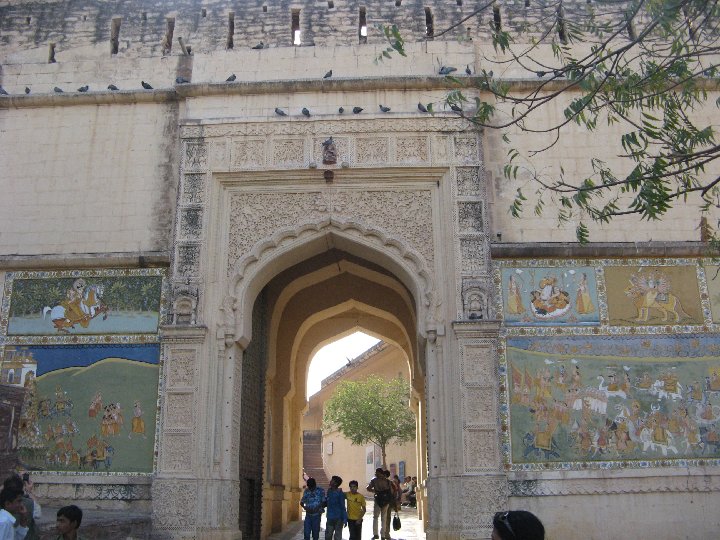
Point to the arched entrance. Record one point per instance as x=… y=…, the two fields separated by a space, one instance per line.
x=299 y=309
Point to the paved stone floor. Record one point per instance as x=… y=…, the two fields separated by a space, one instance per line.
x=411 y=527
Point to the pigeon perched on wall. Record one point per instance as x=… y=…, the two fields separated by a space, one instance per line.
x=467 y=70
x=112 y=87
x=384 y=109
x=341 y=110
x=357 y=110
x=447 y=70
x=146 y=86
x=27 y=89
x=328 y=75
x=3 y=92
x=58 y=90
x=456 y=108
x=84 y=88
x=306 y=112
x=181 y=80
x=280 y=112
x=422 y=107
x=260 y=45
x=231 y=78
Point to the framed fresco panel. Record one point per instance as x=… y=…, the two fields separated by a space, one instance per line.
x=653 y=295
x=85 y=408
x=72 y=303
x=550 y=296
x=575 y=401
x=712 y=275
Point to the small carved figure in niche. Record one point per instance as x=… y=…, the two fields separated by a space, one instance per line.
x=329 y=152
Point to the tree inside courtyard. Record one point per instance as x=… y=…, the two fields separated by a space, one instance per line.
x=648 y=69
x=374 y=410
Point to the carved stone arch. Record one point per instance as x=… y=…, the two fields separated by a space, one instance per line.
x=289 y=246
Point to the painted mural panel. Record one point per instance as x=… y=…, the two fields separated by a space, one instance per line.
x=603 y=399
x=79 y=303
x=86 y=408
x=550 y=296
x=712 y=275
x=653 y=295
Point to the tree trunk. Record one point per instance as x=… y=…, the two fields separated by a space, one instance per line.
x=384 y=457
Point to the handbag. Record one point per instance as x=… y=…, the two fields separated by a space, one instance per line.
x=396 y=522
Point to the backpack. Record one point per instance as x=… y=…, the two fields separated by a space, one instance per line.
x=383 y=492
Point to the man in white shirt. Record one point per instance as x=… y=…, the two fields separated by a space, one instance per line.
x=12 y=514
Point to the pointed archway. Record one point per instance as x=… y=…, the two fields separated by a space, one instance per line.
x=302 y=298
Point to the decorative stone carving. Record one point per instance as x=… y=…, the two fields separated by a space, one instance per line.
x=479 y=406
x=478 y=364
x=482 y=496
x=174 y=504
x=470 y=217
x=467 y=149
x=196 y=154
x=329 y=153
x=247 y=154
x=468 y=182
x=176 y=452
x=179 y=411
x=184 y=306
x=472 y=254
x=193 y=189
x=191 y=223
x=342 y=149
x=411 y=149
x=476 y=301
x=181 y=367
x=371 y=151
x=402 y=213
x=188 y=260
x=440 y=147
x=288 y=152
x=481 y=450
x=218 y=155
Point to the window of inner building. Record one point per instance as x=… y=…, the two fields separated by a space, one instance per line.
x=296 y=27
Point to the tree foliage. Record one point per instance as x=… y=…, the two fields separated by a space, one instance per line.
x=645 y=67
x=373 y=410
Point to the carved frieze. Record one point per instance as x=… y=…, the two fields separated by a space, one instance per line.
x=472 y=254
x=181 y=367
x=288 y=152
x=191 y=223
x=479 y=405
x=411 y=149
x=372 y=150
x=247 y=154
x=467 y=149
x=470 y=217
x=188 y=260
x=193 y=190
x=177 y=452
x=482 y=496
x=195 y=156
x=401 y=213
x=179 y=410
x=174 y=504
x=478 y=364
x=481 y=449
x=468 y=182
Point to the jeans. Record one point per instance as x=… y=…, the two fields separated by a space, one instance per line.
x=334 y=526
x=355 y=528
x=312 y=524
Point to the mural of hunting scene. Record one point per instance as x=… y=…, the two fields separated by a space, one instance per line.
x=550 y=296
x=85 y=408
x=614 y=398
x=85 y=304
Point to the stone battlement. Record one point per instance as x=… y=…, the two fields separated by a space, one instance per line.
x=71 y=30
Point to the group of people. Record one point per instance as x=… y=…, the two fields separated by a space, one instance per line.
x=347 y=509
x=19 y=509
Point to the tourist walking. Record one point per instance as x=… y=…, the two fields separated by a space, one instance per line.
x=381 y=488
x=336 y=518
x=356 y=508
x=312 y=502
